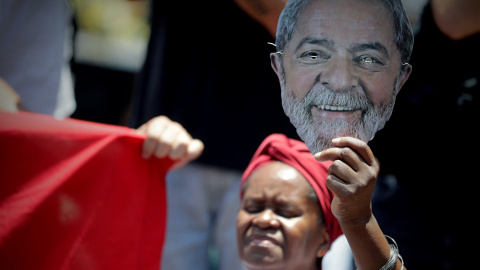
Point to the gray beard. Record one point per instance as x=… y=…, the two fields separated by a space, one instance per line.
x=318 y=134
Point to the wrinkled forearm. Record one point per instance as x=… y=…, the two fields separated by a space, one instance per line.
x=369 y=245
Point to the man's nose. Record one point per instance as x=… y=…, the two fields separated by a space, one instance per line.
x=339 y=74
x=266 y=218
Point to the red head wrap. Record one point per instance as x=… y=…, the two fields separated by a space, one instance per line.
x=296 y=154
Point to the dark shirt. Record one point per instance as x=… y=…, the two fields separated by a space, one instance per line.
x=431 y=146
x=208 y=68
x=431 y=139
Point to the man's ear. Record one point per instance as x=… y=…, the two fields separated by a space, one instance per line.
x=404 y=76
x=276 y=65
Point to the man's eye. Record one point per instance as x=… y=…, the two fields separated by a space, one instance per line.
x=369 y=63
x=313 y=56
x=368 y=60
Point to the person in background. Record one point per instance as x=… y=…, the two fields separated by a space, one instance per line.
x=35 y=49
x=289 y=215
x=35 y=74
x=220 y=86
x=425 y=196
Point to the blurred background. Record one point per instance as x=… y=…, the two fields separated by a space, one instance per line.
x=110 y=40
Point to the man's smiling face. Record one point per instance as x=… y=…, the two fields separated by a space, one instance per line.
x=340 y=72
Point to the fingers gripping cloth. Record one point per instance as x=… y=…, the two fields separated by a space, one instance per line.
x=296 y=154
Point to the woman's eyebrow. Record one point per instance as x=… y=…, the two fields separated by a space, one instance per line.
x=376 y=46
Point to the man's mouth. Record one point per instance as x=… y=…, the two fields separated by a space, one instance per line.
x=332 y=112
x=334 y=108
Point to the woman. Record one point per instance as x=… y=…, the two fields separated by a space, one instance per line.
x=286 y=219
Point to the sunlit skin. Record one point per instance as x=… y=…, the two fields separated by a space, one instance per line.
x=278 y=225
x=345 y=46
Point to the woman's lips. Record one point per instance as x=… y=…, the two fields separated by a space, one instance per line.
x=263 y=241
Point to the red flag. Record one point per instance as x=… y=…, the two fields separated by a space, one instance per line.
x=78 y=195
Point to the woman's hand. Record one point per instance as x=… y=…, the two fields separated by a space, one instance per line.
x=352 y=178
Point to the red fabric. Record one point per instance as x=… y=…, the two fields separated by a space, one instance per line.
x=296 y=154
x=78 y=195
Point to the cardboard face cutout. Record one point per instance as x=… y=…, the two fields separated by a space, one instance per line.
x=340 y=64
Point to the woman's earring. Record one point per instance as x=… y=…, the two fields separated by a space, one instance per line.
x=321 y=253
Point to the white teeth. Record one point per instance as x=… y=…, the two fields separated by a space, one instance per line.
x=334 y=108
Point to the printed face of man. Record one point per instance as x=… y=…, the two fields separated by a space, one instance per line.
x=278 y=225
x=340 y=72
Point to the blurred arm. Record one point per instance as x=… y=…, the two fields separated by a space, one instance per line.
x=9 y=99
x=457 y=18
x=266 y=12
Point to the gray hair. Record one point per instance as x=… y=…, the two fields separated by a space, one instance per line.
x=401 y=24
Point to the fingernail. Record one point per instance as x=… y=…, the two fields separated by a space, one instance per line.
x=336 y=140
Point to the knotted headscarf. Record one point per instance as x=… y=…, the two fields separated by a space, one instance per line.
x=296 y=154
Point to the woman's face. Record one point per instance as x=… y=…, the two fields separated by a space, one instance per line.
x=278 y=225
